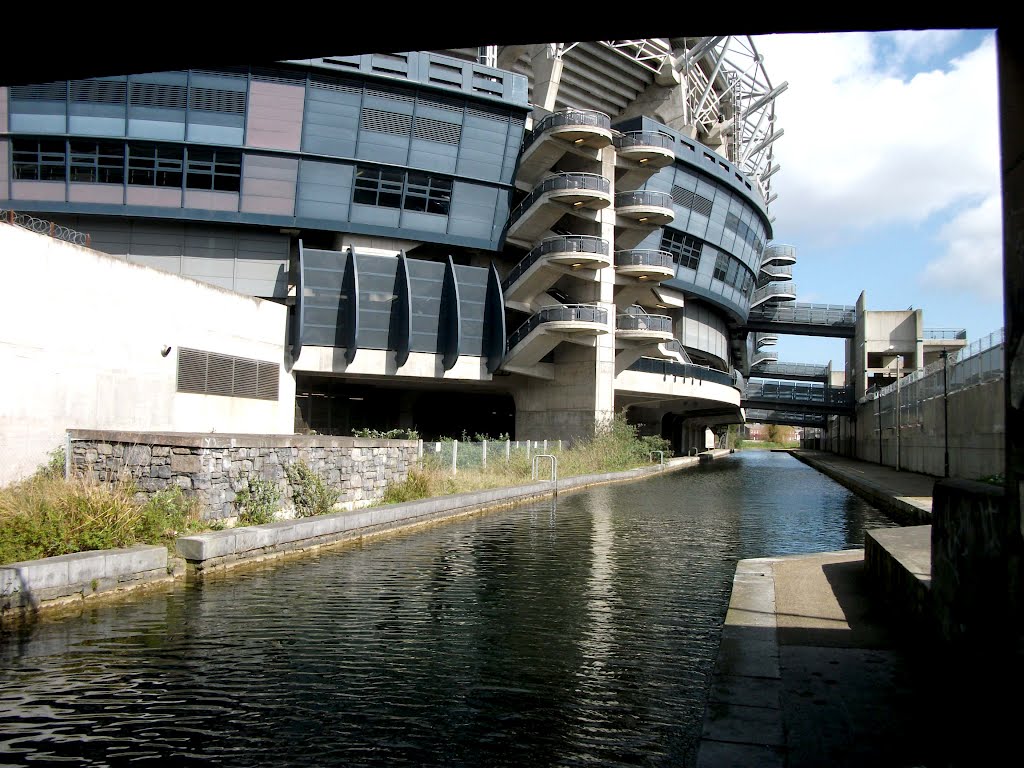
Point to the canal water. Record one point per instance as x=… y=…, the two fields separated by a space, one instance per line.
x=568 y=633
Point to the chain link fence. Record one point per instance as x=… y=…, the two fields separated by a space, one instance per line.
x=455 y=455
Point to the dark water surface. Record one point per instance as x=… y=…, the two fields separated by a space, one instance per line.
x=581 y=632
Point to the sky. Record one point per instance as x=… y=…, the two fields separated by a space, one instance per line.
x=889 y=179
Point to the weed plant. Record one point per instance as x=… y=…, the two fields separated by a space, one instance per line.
x=310 y=494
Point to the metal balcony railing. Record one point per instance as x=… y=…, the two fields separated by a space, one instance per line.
x=644 y=197
x=644 y=139
x=588 y=313
x=805 y=370
x=779 y=252
x=590 y=181
x=809 y=314
x=764 y=357
x=766 y=292
x=683 y=370
x=568 y=117
x=959 y=334
x=564 y=244
x=778 y=271
x=642 y=257
x=643 y=322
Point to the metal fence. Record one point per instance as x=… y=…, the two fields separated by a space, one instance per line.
x=977 y=363
x=455 y=455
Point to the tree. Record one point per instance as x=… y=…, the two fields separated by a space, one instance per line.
x=773 y=433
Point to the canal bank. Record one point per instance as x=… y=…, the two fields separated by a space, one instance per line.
x=62 y=583
x=824 y=660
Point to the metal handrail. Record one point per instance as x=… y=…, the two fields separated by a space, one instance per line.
x=589 y=313
x=644 y=257
x=765 y=292
x=795 y=369
x=554 y=466
x=644 y=322
x=589 y=117
x=681 y=370
x=959 y=334
x=764 y=357
x=661 y=456
x=647 y=197
x=561 y=244
x=779 y=251
x=811 y=314
x=802 y=392
x=590 y=181
x=777 y=270
x=644 y=139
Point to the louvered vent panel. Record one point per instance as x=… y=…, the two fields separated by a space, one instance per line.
x=341 y=86
x=220 y=372
x=40 y=92
x=437 y=130
x=277 y=76
x=191 y=371
x=487 y=115
x=99 y=91
x=386 y=122
x=267 y=381
x=687 y=199
x=344 y=61
x=156 y=95
x=216 y=100
x=393 y=95
x=450 y=106
x=245 y=378
x=445 y=73
x=390 y=62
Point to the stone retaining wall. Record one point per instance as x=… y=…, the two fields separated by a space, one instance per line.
x=214 y=468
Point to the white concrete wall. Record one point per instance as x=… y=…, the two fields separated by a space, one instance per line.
x=80 y=340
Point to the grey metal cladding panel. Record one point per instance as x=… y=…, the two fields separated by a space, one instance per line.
x=424 y=222
x=211 y=128
x=26 y=122
x=377 y=292
x=268 y=183
x=331 y=122
x=272 y=247
x=403 y=106
x=368 y=214
x=4 y=165
x=426 y=282
x=383 y=147
x=166 y=263
x=433 y=156
x=275 y=286
x=96 y=125
x=3 y=108
x=202 y=267
x=325 y=190
x=275 y=115
x=472 y=301
x=472 y=209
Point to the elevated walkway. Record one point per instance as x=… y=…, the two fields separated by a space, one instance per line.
x=791 y=371
x=799 y=319
x=802 y=397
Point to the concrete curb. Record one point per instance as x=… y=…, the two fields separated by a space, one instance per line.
x=32 y=585
x=211 y=551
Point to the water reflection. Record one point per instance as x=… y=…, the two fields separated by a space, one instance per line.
x=575 y=633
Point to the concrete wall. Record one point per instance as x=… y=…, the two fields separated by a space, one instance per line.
x=976 y=434
x=876 y=332
x=81 y=335
x=214 y=468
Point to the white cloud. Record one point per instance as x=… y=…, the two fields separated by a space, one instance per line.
x=866 y=146
x=973 y=258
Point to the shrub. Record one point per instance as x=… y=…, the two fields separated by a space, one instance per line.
x=391 y=434
x=418 y=485
x=257 y=502
x=310 y=493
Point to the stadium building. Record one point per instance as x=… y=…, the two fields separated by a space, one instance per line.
x=519 y=239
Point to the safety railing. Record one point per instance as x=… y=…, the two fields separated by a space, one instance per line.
x=43 y=227
x=779 y=252
x=682 y=370
x=772 y=290
x=455 y=455
x=646 y=198
x=644 y=257
x=562 y=244
x=588 y=313
x=587 y=181
x=810 y=314
x=564 y=117
x=644 y=139
x=953 y=334
x=804 y=370
x=798 y=392
x=643 y=322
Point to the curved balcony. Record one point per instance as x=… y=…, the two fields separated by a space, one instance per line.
x=650 y=148
x=762 y=340
x=533 y=217
x=573 y=251
x=764 y=358
x=779 y=253
x=580 y=127
x=575 y=319
x=645 y=264
x=640 y=326
x=775 y=271
x=771 y=293
x=644 y=206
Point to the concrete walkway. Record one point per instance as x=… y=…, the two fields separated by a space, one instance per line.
x=813 y=672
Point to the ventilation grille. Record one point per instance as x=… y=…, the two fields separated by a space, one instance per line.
x=99 y=91
x=157 y=95
x=277 y=76
x=40 y=92
x=341 y=86
x=209 y=373
x=393 y=95
x=386 y=122
x=501 y=118
x=687 y=199
x=450 y=106
x=216 y=100
x=437 y=130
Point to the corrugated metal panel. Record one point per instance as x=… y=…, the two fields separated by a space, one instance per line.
x=269 y=184
x=331 y=120
x=275 y=115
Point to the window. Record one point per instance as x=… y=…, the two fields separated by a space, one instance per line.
x=377 y=186
x=396 y=189
x=721 y=267
x=39 y=160
x=214 y=169
x=97 y=162
x=685 y=249
x=427 y=194
x=155 y=165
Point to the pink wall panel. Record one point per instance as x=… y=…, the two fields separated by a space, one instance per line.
x=52 y=191
x=158 y=196
x=96 y=193
x=275 y=115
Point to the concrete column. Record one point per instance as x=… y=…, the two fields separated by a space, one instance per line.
x=546 y=61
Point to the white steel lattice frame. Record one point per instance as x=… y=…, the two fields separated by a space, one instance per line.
x=723 y=78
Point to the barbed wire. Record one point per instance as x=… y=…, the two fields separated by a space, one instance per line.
x=43 y=227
